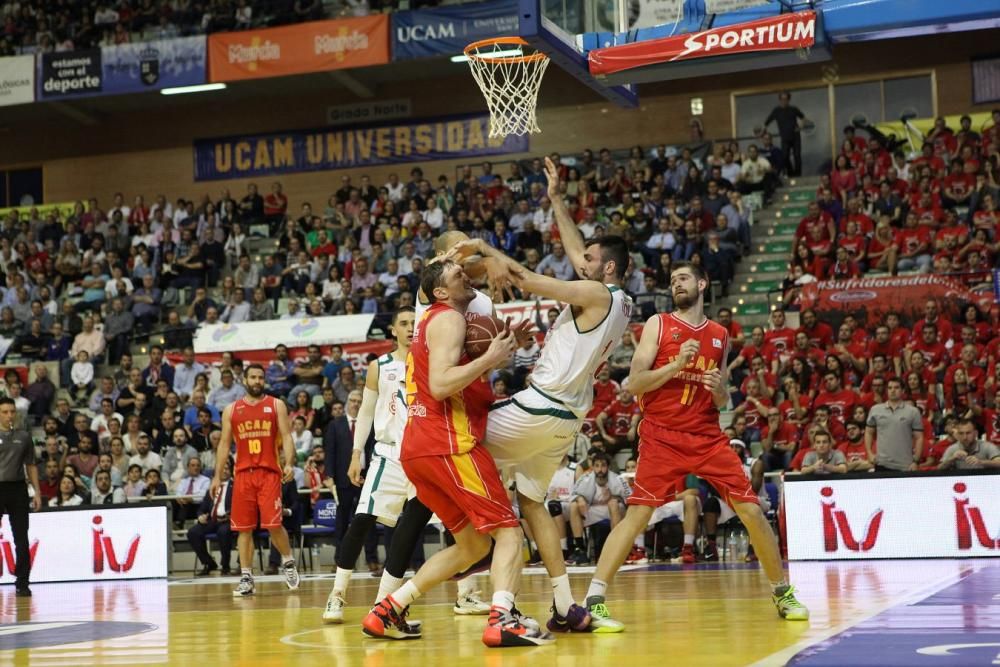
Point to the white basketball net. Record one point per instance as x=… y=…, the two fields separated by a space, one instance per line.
x=510 y=85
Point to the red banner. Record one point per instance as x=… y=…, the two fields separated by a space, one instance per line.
x=870 y=299
x=777 y=33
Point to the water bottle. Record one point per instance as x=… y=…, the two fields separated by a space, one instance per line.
x=314 y=552
x=741 y=546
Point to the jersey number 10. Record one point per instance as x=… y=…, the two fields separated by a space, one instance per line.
x=254 y=445
x=687 y=398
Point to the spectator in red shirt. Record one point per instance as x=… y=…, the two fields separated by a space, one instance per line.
x=795 y=408
x=897 y=332
x=725 y=318
x=857 y=215
x=853 y=448
x=781 y=337
x=843 y=267
x=962 y=398
x=840 y=401
x=768 y=381
x=952 y=236
x=933 y=350
x=884 y=345
x=958 y=185
x=820 y=333
x=753 y=407
x=818 y=219
x=987 y=217
x=928 y=158
x=975 y=375
x=883 y=250
x=855 y=243
x=968 y=337
x=618 y=423
x=876 y=395
x=814 y=356
x=973 y=317
x=914 y=242
x=918 y=393
x=880 y=370
x=605 y=391
x=850 y=353
x=779 y=440
x=755 y=348
x=991 y=421
x=275 y=204
x=843 y=179
x=935 y=453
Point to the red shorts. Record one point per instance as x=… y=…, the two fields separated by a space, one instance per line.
x=461 y=489
x=666 y=456
x=256 y=490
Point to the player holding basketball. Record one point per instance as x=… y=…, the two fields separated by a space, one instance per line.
x=454 y=476
x=677 y=369
x=530 y=433
x=259 y=424
x=386 y=487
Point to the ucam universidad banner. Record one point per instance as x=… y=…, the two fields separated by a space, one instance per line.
x=425 y=33
x=317 y=46
x=17 y=80
x=326 y=149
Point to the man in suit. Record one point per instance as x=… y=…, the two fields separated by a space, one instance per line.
x=213 y=517
x=338 y=443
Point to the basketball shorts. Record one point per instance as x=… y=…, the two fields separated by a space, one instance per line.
x=528 y=435
x=385 y=491
x=256 y=494
x=673 y=509
x=462 y=489
x=666 y=455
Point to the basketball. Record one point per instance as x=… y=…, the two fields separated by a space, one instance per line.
x=480 y=332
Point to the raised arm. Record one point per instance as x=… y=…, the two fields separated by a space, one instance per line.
x=570 y=236
x=447 y=376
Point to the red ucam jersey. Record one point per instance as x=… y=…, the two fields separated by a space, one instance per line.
x=781 y=340
x=619 y=417
x=255 y=429
x=841 y=403
x=683 y=403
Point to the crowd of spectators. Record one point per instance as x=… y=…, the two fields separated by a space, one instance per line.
x=63 y=25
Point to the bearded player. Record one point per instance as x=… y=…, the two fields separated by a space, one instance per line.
x=454 y=475
x=259 y=424
x=677 y=371
x=530 y=433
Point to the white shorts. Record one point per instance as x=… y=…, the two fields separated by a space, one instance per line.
x=675 y=508
x=598 y=513
x=528 y=435
x=728 y=512
x=386 y=490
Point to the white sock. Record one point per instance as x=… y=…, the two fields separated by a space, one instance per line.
x=562 y=543
x=287 y=560
x=247 y=571
x=562 y=594
x=341 y=581
x=503 y=599
x=641 y=541
x=597 y=588
x=405 y=596
x=688 y=539
x=387 y=585
x=466 y=585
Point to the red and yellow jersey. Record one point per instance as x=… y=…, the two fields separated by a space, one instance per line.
x=683 y=403
x=256 y=432
x=451 y=426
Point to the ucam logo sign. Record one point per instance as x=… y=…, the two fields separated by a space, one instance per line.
x=422 y=33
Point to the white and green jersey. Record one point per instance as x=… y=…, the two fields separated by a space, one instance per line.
x=565 y=370
x=390 y=408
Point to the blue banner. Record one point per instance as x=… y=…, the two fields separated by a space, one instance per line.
x=426 y=33
x=345 y=148
x=168 y=63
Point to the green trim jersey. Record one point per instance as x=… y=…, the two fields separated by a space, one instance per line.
x=565 y=370
x=390 y=408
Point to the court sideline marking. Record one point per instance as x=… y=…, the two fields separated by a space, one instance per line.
x=782 y=657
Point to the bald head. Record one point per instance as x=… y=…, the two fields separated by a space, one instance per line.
x=444 y=242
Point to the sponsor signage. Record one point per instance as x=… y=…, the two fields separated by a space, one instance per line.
x=368 y=112
x=723 y=6
x=426 y=33
x=17 y=80
x=870 y=299
x=777 y=33
x=317 y=46
x=355 y=353
x=954 y=516
x=168 y=63
x=108 y=542
x=334 y=330
x=70 y=74
x=325 y=149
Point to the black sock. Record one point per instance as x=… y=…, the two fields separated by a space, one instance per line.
x=354 y=540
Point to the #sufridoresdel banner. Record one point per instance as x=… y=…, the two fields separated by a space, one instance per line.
x=426 y=33
x=325 y=149
x=17 y=80
x=168 y=63
x=266 y=335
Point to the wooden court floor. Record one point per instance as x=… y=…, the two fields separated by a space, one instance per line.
x=675 y=615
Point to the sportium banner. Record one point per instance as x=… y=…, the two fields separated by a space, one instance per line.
x=870 y=299
x=17 y=80
x=299 y=49
x=325 y=149
x=777 y=33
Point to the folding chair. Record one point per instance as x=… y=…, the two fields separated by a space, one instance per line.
x=324 y=525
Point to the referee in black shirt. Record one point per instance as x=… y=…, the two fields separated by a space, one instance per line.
x=17 y=455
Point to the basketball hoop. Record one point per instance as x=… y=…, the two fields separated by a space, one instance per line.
x=509 y=78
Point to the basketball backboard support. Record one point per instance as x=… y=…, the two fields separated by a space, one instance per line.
x=554 y=26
